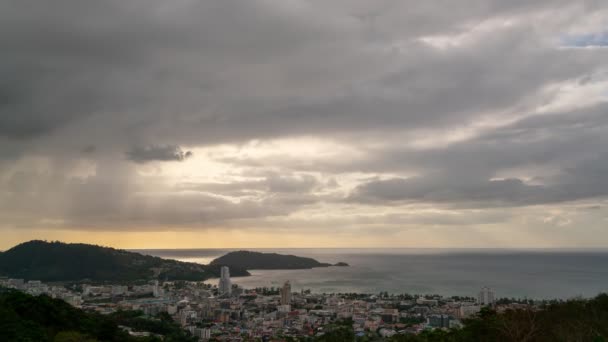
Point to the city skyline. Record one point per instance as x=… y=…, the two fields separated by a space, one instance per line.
x=222 y=124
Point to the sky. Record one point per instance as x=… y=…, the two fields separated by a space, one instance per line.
x=304 y=123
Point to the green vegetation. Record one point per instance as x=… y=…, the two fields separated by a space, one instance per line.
x=574 y=320
x=28 y=318
x=340 y=330
x=340 y=333
x=57 y=261
x=163 y=324
x=25 y=318
x=266 y=261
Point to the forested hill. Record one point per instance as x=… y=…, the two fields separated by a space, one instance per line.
x=57 y=261
x=266 y=261
x=42 y=318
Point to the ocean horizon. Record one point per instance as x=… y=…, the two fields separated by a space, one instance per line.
x=534 y=273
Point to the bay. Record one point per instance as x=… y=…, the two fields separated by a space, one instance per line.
x=535 y=274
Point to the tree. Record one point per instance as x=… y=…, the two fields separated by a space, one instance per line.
x=72 y=336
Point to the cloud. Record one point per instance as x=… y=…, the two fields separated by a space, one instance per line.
x=271 y=183
x=300 y=113
x=89 y=149
x=149 y=153
x=504 y=192
x=122 y=76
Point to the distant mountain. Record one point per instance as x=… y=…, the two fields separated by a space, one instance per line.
x=266 y=261
x=57 y=261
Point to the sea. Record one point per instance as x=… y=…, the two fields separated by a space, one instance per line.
x=531 y=274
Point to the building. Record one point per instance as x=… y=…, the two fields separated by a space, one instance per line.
x=439 y=321
x=390 y=316
x=485 y=296
x=284 y=308
x=286 y=293
x=429 y=302
x=157 y=290
x=203 y=333
x=387 y=333
x=225 y=285
x=119 y=290
x=466 y=311
x=18 y=284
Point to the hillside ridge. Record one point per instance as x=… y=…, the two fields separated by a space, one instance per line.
x=58 y=261
x=268 y=261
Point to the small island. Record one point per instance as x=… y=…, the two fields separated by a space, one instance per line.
x=268 y=261
x=341 y=264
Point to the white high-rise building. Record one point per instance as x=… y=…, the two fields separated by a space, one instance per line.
x=157 y=290
x=286 y=293
x=485 y=296
x=225 y=285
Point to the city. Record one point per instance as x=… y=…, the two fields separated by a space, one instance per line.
x=303 y=171
x=228 y=312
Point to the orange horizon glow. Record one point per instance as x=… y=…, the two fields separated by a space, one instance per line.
x=233 y=239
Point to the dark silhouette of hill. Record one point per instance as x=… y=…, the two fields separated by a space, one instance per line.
x=57 y=261
x=266 y=261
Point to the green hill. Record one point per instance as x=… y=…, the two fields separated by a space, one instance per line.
x=266 y=261
x=41 y=318
x=57 y=261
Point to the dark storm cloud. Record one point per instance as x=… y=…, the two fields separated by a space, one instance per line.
x=89 y=149
x=565 y=148
x=117 y=75
x=143 y=154
x=507 y=192
x=207 y=72
x=558 y=139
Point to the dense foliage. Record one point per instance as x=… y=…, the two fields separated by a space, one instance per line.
x=574 y=320
x=161 y=325
x=56 y=261
x=341 y=330
x=27 y=318
x=266 y=261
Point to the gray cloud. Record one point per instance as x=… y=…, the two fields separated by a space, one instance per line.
x=115 y=198
x=148 y=153
x=372 y=78
x=560 y=155
x=89 y=149
x=438 y=103
x=508 y=192
x=271 y=185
